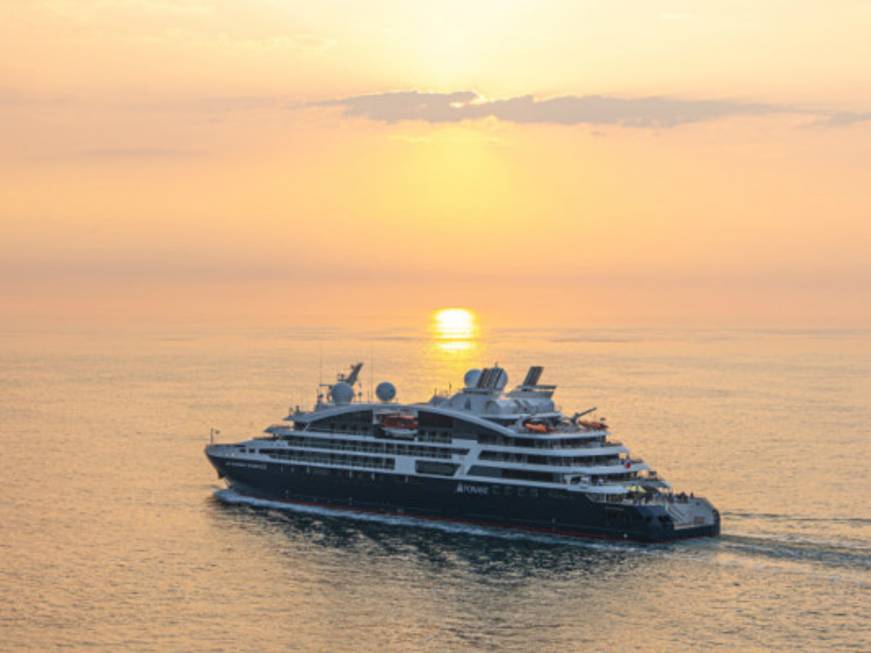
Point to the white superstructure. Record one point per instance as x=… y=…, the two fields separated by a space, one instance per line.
x=515 y=440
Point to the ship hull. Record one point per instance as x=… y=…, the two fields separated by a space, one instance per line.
x=446 y=499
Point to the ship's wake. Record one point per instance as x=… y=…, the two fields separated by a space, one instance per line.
x=733 y=545
x=830 y=541
x=232 y=497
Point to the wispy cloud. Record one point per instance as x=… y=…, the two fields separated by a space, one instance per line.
x=11 y=98
x=841 y=119
x=140 y=153
x=213 y=104
x=650 y=112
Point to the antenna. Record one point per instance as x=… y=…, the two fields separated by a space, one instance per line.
x=320 y=372
x=580 y=414
x=351 y=379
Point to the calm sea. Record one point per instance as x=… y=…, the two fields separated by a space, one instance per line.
x=114 y=535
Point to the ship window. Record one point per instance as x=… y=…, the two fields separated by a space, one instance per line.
x=428 y=419
x=480 y=470
x=525 y=475
x=440 y=469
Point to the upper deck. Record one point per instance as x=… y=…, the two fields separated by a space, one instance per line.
x=526 y=412
x=514 y=435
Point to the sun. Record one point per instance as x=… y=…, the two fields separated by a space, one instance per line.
x=455 y=324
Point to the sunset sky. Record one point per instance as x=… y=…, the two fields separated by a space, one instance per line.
x=541 y=162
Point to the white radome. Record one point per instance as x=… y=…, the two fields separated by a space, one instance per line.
x=471 y=378
x=342 y=393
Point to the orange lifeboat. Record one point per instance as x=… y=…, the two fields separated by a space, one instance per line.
x=399 y=421
x=398 y=425
x=536 y=426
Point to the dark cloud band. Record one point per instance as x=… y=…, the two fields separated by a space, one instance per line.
x=657 y=112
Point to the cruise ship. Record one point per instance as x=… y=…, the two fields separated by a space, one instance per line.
x=484 y=455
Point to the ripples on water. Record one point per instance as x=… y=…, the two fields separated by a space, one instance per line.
x=116 y=536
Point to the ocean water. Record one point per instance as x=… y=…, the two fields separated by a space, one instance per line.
x=115 y=534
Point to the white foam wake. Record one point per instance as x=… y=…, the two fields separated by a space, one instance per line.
x=231 y=497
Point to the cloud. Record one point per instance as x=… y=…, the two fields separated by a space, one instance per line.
x=649 y=112
x=221 y=104
x=841 y=119
x=628 y=112
x=407 y=105
x=11 y=98
x=140 y=153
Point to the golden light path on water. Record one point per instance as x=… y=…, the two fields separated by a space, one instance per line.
x=454 y=329
x=455 y=344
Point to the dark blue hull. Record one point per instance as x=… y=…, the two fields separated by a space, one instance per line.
x=538 y=510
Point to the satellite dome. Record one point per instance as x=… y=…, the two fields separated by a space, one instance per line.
x=342 y=393
x=385 y=391
x=501 y=379
x=471 y=378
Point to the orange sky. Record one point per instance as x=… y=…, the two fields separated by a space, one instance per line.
x=253 y=161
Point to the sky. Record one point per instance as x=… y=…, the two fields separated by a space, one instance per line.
x=559 y=162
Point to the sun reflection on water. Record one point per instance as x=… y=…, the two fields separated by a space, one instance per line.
x=454 y=346
x=454 y=329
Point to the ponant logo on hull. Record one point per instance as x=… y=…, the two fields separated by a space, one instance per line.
x=466 y=488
